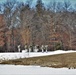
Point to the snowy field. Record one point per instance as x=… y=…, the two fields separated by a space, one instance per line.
x=34 y=70
x=7 y=56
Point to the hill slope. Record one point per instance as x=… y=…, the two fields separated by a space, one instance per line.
x=57 y=61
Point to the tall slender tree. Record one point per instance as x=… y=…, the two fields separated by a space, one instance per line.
x=11 y=19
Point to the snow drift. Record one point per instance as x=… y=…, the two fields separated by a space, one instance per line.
x=34 y=70
x=7 y=56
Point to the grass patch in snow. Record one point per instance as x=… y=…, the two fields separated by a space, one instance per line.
x=56 y=61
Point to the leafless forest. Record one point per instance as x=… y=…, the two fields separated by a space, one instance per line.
x=53 y=25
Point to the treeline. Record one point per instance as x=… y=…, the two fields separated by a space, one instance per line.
x=53 y=24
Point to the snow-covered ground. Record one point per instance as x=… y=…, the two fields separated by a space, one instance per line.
x=7 y=56
x=34 y=70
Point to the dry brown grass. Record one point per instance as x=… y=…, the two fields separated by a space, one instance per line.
x=57 y=61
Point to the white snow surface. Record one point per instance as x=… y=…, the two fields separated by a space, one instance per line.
x=34 y=70
x=17 y=55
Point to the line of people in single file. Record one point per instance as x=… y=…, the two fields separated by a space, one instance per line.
x=36 y=48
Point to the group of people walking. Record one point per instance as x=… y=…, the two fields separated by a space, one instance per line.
x=36 y=48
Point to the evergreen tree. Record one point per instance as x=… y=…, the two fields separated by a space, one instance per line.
x=39 y=7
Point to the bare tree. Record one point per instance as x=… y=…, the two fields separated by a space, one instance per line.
x=11 y=18
x=66 y=6
x=26 y=15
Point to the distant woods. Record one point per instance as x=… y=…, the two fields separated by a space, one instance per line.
x=53 y=25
